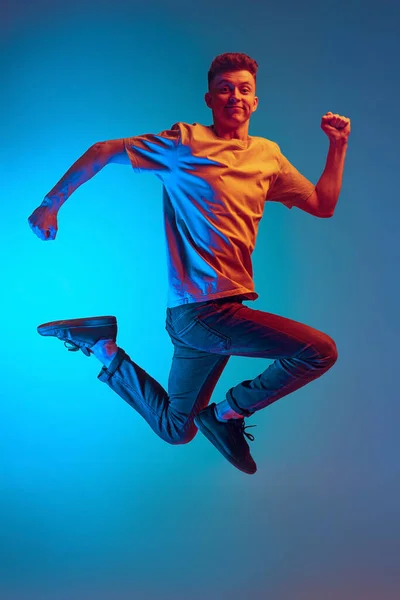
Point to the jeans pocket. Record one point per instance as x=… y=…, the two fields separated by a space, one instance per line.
x=201 y=336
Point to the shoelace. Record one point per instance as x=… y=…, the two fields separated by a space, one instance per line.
x=243 y=428
x=72 y=347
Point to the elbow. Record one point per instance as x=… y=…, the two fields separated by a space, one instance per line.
x=97 y=147
x=326 y=215
x=100 y=154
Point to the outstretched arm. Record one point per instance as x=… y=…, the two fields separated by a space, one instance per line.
x=43 y=220
x=90 y=163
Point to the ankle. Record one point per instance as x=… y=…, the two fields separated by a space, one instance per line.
x=224 y=412
x=105 y=351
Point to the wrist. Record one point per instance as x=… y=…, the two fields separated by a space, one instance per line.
x=51 y=202
x=338 y=143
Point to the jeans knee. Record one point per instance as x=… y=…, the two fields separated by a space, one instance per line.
x=328 y=352
x=325 y=353
x=181 y=436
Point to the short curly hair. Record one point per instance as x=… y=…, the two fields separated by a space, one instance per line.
x=232 y=61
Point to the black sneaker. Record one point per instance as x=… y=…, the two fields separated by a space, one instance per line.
x=81 y=334
x=228 y=438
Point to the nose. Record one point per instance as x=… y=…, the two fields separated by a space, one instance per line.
x=234 y=98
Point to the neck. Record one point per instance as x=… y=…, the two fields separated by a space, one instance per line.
x=231 y=134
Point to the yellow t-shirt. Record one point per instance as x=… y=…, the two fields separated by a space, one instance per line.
x=214 y=196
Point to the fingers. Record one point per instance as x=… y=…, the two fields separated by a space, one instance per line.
x=332 y=121
x=43 y=234
x=47 y=234
x=40 y=234
x=43 y=223
x=51 y=233
x=335 y=117
x=35 y=229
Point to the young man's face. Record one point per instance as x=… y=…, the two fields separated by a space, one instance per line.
x=232 y=98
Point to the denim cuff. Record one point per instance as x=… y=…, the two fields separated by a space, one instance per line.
x=240 y=411
x=107 y=372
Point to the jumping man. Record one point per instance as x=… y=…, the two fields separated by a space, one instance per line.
x=216 y=180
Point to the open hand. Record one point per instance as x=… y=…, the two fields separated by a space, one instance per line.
x=43 y=222
x=336 y=127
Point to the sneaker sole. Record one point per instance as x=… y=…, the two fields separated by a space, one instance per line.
x=48 y=328
x=211 y=438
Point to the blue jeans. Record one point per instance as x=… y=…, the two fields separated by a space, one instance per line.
x=205 y=335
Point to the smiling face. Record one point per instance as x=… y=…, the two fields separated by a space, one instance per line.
x=232 y=99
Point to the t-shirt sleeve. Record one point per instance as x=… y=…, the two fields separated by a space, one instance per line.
x=289 y=187
x=154 y=152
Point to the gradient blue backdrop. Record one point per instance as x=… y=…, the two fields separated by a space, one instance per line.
x=92 y=503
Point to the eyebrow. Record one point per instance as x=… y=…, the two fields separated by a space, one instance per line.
x=226 y=81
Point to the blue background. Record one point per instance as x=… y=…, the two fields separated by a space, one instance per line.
x=92 y=503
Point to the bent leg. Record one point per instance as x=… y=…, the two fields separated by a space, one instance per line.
x=302 y=354
x=192 y=379
x=282 y=377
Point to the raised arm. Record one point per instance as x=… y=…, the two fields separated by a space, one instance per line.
x=43 y=220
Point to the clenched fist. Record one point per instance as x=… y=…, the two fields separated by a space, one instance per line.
x=336 y=127
x=43 y=222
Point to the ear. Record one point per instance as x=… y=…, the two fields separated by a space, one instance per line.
x=207 y=98
x=255 y=105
